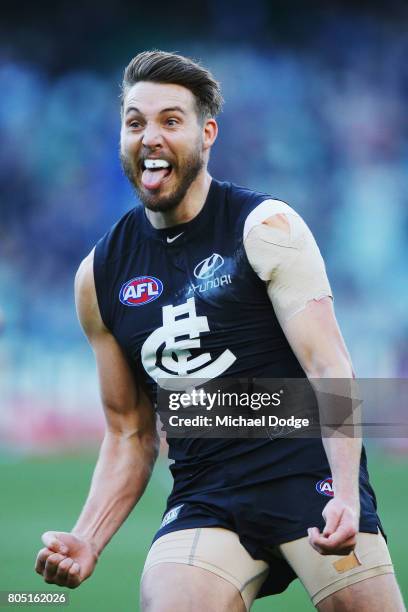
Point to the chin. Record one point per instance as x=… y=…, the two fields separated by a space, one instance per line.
x=159 y=203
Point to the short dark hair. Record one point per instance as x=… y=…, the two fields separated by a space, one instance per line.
x=163 y=67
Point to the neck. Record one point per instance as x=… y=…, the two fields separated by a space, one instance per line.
x=189 y=206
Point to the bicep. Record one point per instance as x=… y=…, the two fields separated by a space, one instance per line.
x=126 y=406
x=315 y=338
x=285 y=255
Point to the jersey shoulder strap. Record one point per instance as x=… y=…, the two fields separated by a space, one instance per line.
x=251 y=207
x=119 y=242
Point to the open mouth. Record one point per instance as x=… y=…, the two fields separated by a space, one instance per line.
x=155 y=172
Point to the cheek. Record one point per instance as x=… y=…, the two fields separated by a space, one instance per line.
x=188 y=147
x=128 y=144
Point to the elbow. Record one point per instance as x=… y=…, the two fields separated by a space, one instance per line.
x=144 y=441
x=154 y=446
x=149 y=441
x=337 y=367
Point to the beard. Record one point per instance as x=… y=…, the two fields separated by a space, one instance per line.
x=187 y=172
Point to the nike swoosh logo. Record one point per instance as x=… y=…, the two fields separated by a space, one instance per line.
x=170 y=240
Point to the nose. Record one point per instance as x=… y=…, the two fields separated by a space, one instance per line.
x=152 y=136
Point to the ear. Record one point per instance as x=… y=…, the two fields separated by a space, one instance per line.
x=210 y=132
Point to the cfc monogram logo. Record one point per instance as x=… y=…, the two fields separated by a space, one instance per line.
x=166 y=354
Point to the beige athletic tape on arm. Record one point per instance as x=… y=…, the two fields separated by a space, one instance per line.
x=289 y=263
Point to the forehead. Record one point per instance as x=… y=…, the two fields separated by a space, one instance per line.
x=151 y=98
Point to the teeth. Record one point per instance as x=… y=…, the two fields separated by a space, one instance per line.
x=156 y=163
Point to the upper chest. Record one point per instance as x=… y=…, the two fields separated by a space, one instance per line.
x=210 y=271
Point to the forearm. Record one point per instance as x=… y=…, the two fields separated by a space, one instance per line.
x=335 y=391
x=121 y=474
x=344 y=456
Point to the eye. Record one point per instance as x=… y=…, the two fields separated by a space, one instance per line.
x=171 y=122
x=134 y=124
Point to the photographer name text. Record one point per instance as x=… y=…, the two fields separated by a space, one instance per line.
x=237 y=421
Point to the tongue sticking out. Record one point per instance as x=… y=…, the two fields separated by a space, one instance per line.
x=152 y=179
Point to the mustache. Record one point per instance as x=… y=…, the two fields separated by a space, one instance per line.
x=142 y=158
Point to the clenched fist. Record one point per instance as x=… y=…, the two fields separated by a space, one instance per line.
x=66 y=560
x=340 y=532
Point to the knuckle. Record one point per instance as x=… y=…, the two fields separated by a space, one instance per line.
x=55 y=559
x=61 y=574
x=73 y=583
x=43 y=555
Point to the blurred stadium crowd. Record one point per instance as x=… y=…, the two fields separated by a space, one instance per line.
x=322 y=126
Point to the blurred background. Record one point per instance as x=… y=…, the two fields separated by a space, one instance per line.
x=315 y=114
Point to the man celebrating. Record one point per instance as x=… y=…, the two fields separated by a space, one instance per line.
x=233 y=529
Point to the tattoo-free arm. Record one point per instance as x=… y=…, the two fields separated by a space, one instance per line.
x=284 y=254
x=126 y=457
x=130 y=445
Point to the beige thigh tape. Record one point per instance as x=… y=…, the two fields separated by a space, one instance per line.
x=324 y=575
x=216 y=550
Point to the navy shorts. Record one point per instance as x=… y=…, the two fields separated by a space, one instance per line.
x=265 y=503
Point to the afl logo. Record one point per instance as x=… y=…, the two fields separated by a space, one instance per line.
x=140 y=291
x=325 y=487
x=208 y=267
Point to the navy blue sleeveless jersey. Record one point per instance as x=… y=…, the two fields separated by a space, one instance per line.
x=184 y=301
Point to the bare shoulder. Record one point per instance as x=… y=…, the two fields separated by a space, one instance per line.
x=85 y=298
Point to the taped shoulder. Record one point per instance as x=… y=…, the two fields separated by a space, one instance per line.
x=283 y=252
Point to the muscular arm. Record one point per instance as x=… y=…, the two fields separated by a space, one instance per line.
x=126 y=458
x=317 y=342
x=283 y=252
x=129 y=448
